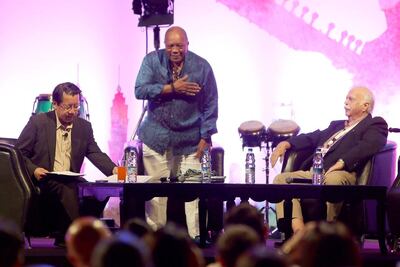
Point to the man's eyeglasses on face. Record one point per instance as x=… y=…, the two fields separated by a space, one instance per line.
x=69 y=107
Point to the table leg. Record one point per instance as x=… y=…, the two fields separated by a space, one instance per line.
x=202 y=222
x=381 y=221
x=131 y=207
x=287 y=215
x=230 y=203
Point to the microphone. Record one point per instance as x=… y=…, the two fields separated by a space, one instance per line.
x=65 y=135
x=394 y=130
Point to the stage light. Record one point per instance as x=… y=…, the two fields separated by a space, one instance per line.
x=154 y=12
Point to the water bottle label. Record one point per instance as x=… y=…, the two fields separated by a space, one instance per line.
x=206 y=167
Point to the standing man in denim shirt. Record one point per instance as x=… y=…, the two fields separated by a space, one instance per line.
x=182 y=112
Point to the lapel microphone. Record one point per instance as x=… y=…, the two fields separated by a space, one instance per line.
x=65 y=135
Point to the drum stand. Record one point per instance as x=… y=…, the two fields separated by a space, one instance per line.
x=266 y=147
x=144 y=110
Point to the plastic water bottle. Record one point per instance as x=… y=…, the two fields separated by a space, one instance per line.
x=318 y=167
x=206 y=166
x=131 y=164
x=250 y=166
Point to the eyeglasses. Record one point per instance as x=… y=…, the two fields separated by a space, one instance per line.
x=70 y=107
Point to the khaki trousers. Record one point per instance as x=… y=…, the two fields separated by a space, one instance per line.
x=157 y=166
x=333 y=178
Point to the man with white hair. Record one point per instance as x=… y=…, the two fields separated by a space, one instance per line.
x=347 y=145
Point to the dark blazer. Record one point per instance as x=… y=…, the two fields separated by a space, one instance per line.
x=37 y=143
x=355 y=148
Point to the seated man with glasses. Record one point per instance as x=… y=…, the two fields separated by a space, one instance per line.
x=59 y=141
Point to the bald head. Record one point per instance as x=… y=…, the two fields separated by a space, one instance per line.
x=176 y=45
x=366 y=96
x=176 y=30
x=82 y=237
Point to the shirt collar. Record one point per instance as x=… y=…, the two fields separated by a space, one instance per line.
x=60 y=126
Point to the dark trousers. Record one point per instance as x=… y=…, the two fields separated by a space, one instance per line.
x=60 y=202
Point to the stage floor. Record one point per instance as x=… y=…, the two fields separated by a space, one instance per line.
x=43 y=251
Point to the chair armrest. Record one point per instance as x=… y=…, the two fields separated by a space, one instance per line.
x=294 y=159
x=380 y=170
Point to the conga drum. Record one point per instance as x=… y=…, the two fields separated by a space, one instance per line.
x=253 y=133
x=281 y=130
x=43 y=103
x=84 y=109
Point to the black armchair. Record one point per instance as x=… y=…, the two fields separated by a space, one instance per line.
x=360 y=217
x=8 y=140
x=16 y=187
x=393 y=212
x=214 y=206
x=20 y=198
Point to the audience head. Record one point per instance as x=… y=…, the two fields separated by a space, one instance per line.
x=174 y=248
x=11 y=244
x=66 y=101
x=248 y=215
x=138 y=227
x=122 y=249
x=141 y=229
x=323 y=244
x=260 y=256
x=235 y=240
x=82 y=237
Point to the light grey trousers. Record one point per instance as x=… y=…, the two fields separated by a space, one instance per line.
x=157 y=166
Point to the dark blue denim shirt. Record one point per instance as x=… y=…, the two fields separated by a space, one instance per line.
x=175 y=120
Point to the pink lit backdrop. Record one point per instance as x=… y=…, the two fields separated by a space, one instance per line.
x=272 y=59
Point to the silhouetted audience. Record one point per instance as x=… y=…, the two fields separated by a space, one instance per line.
x=40 y=265
x=247 y=214
x=138 y=226
x=141 y=229
x=323 y=244
x=82 y=237
x=122 y=249
x=260 y=256
x=235 y=240
x=174 y=248
x=11 y=244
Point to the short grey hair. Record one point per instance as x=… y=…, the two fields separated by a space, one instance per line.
x=368 y=97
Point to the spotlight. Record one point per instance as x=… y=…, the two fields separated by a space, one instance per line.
x=154 y=12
